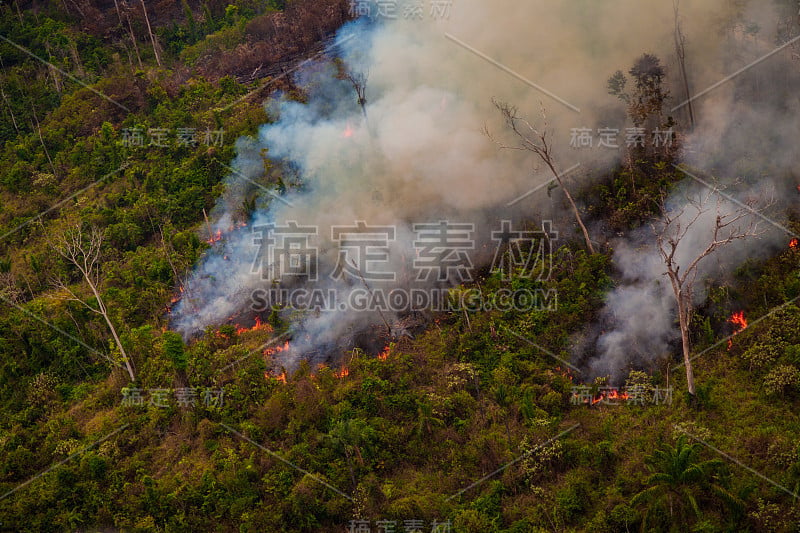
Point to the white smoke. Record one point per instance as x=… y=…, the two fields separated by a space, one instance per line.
x=420 y=155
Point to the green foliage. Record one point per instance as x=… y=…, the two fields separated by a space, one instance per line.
x=174 y=349
x=467 y=398
x=677 y=481
x=780 y=378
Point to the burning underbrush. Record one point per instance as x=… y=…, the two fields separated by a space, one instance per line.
x=607 y=383
x=283 y=358
x=368 y=333
x=285 y=352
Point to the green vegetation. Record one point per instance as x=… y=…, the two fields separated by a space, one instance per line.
x=401 y=438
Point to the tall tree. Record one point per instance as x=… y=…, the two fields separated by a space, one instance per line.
x=680 y=52
x=150 y=32
x=646 y=99
x=533 y=140
x=84 y=251
x=680 y=229
x=133 y=39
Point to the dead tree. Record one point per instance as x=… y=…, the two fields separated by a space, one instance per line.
x=84 y=253
x=150 y=31
x=680 y=51
x=682 y=226
x=359 y=82
x=38 y=129
x=133 y=38
x=533 y=140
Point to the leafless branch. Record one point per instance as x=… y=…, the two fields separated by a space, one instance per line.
x=678 y=225
x=534 y=140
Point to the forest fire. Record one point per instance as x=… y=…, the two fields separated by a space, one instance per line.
x=277 y=349
x=794 y=244
x=384 y=354
x=614 y=394
x=605 y=395
x=609 y=396
x=739 y=320
x=175 y=299
x=216 y=237
x=343 y=373
x=258 y=326
x=566 y=372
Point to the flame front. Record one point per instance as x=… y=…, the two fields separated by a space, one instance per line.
x=215 y=238
x=259 y=326
x=384 y=354
x=277 y=349
x=739 y=320
x=566 y=372
x=608 y=395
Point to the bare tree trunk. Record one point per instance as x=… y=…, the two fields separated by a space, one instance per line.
x=679 y=225
x=85 y=255
x=684 y=317
x=119 y=14
x=19 y=12
x=52 y=71
x=680 y=51
x=574 y=207
x=10 y=109
x=78 y=8
x=359 y=82
x=536 y=141
x=133 y=41
x=150 y=31
x=76 y=58
x=6 y=100
x=104 y=313
x=41 y=140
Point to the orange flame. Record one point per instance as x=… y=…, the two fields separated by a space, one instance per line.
x=277 y=349
x=606 y=395
x=737 y=319
x=237 y=225
x=220 y=335
x=565 y=372
x=614 y=394
x=344 y=372
x=215 y=238
x=794 y=243
x=177 y=297
x=259 y=325
x=281 y=378
x=348 y=131
x=384 y=354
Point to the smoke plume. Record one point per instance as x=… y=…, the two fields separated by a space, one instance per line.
x=417 y=153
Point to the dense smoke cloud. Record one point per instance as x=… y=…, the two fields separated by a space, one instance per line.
x=418 y=153
x=743 y=143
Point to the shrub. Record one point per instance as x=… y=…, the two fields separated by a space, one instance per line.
x=780 y=378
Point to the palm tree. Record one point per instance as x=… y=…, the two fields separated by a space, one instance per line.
x=677 y=477
x=426 y=419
